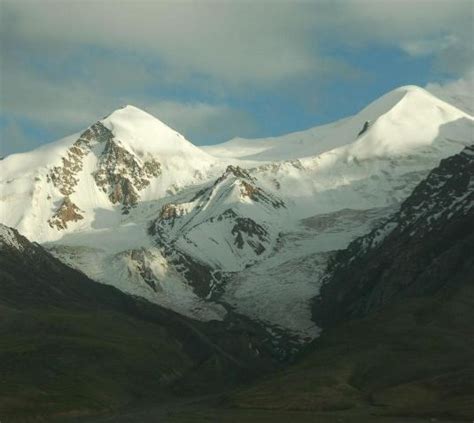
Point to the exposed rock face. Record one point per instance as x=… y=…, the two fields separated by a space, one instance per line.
x=427 y=246
x=245 y=231
x=248 y=186
x=257 y=194
x=275 y=167
x=217 y=216
x=364 y=128
x=248 y=231
x=122 y=175
x=139 y=257
x=64 y=177
x=199 y=275
x=66 y=213
x=236 y=171
x=169 y=212
x=397 y=311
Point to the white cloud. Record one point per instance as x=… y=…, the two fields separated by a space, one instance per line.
x=54 y=104
x=61 y=108
x=425 y=47
x=67 y=62
x=442 y=28
x=459 y=92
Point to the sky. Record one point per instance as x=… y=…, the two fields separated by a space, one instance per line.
x=214 y=70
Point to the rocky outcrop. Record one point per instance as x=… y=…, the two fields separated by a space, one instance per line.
x=218 y=217
x=169 y=212
x=247 y=231
x=236 y=171
x=425 y=247
x=64 y=177
x=257 y=194
x=122 y=175
x=200 y=276
x=140 y=259
x=364 y=128
x=397 y=312
x=66 y=213
x=276 y=167
x=248 y=186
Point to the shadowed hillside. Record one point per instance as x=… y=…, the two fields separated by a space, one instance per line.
x=398 y=308
x=70 y=346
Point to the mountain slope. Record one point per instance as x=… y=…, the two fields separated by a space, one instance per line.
x=132 y=204
x=238 y=217
x=332 y=199
x=435 y=225
x=90 y=180
x=397 y=313
x=402 y=118
x=71 y=346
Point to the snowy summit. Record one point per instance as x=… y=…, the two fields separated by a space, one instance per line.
x=132 y=203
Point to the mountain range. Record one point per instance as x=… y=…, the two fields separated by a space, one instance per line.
x=397 y=309
x=336 y=229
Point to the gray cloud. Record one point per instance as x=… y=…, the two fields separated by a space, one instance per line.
x=205 y=121
x=241 y=41
x=62 y=108
x=233 y=41
x=67 y=62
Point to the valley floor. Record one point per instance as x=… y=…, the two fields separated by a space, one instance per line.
x=207 y=410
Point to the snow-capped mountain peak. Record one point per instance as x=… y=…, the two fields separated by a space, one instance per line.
x=132 y=203
x=119 y=161
x=145 y=134
x=405 y=118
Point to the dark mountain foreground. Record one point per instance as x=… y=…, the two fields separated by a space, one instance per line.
x=398 y=313
x=70 y=346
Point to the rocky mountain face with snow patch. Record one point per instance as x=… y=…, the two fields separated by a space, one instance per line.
x=233 y=213
x=397 y=310
x=119 y=173
x=122 y=176
x=244 y=226
x=425 y=247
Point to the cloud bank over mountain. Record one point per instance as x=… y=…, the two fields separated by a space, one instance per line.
x=217 y=70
